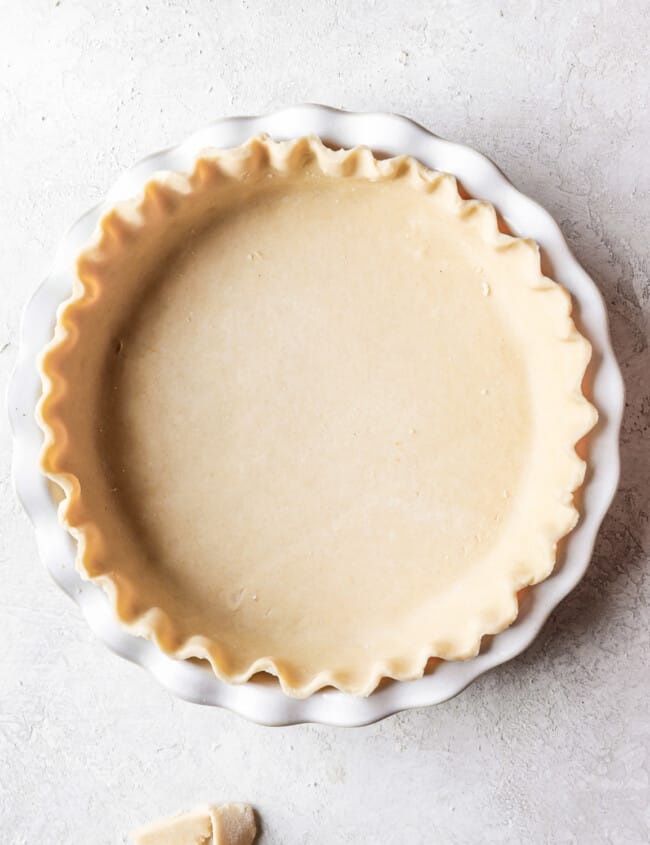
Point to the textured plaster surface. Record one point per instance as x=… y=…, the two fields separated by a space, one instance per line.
x=551 y=748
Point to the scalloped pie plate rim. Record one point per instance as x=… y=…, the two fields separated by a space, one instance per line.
x=266 y=702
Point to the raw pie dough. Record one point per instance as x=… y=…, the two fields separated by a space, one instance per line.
x=230 y=824
x=314 y=414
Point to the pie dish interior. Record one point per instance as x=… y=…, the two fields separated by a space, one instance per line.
x=314 y=414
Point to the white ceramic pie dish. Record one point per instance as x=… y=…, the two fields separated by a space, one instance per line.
x=265 y=702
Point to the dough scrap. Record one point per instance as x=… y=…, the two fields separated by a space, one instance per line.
x=230 y=824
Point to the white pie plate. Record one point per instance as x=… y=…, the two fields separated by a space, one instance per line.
x=265 y=702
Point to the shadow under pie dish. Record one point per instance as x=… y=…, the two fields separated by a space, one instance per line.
x=313 y=414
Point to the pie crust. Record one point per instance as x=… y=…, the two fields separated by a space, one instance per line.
x=314 y=414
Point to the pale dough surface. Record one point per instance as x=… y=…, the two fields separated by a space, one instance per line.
x=322 y=433
x=325 y=422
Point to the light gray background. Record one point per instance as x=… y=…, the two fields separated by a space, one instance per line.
x=555 y=746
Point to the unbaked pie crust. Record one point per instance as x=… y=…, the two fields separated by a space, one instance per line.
x=313 y=414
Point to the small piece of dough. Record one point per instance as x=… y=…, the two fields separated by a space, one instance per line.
x=233 y=824
x=230 y=824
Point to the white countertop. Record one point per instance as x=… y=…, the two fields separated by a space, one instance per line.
x=551 y=748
